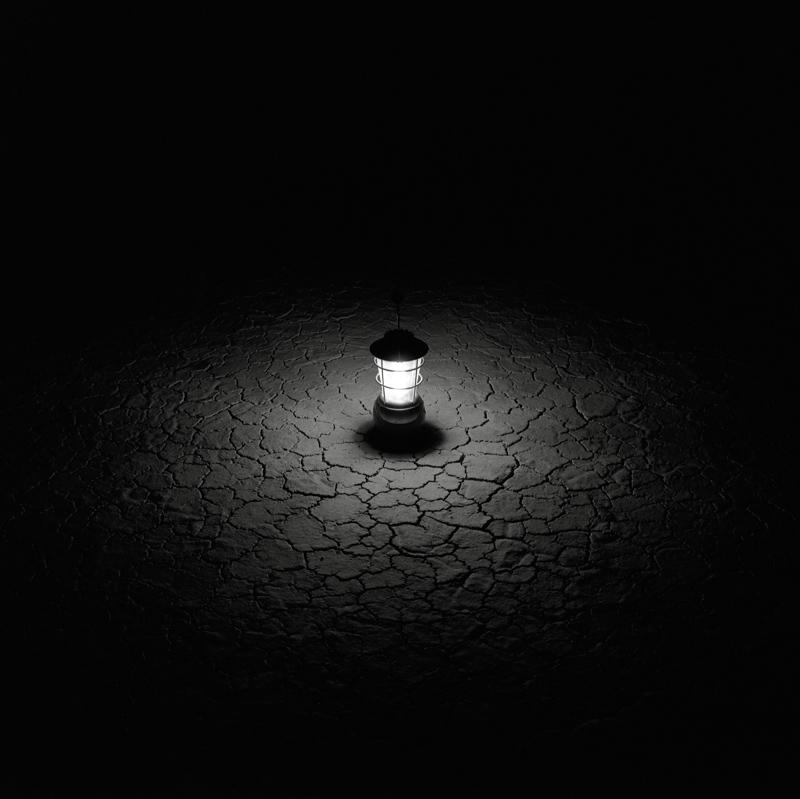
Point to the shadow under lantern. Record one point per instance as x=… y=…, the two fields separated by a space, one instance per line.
x=399 y=357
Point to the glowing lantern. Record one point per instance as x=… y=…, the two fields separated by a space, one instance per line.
x=398 y=356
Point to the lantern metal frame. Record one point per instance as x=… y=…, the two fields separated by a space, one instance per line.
x=396 y=348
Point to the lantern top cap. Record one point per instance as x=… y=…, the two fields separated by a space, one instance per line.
x=398 y=345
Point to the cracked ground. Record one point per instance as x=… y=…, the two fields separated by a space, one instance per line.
x=578 y=569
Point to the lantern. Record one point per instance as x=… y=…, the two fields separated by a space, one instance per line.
x=399 y=357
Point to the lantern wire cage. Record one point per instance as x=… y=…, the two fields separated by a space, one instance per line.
x=398 y=386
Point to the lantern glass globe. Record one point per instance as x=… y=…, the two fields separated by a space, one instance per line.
x=399 y=380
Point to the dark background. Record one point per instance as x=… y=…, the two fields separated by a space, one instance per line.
x=639 y=157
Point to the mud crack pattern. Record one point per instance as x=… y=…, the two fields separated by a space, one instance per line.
x=202 y=527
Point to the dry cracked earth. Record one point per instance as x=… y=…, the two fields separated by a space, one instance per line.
x=222 y=577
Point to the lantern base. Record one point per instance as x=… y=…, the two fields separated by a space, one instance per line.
x=385 y=415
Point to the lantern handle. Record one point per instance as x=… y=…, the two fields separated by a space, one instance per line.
x=397 y=298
